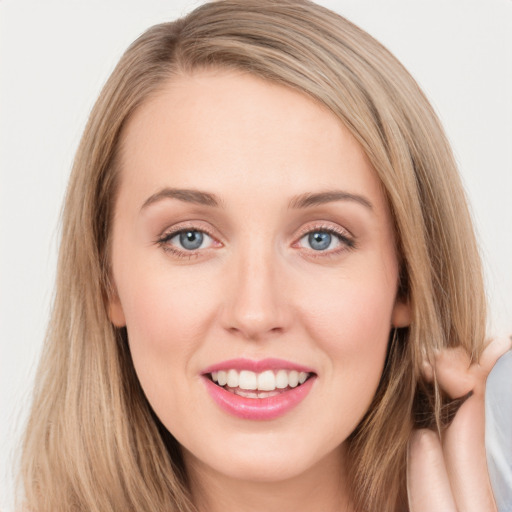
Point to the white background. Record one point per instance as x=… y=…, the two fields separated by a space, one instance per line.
x=54 y=57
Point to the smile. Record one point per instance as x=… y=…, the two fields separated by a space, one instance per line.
x=258 y=390
x=258 y=385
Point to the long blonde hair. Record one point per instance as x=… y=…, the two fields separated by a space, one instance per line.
x=92 y=442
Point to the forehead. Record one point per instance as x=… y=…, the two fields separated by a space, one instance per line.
x=219 y=128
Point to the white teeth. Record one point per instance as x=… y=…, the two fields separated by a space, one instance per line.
x=264 y=381
x=232 y=379
x=247 y=380
x=267 y=381
x=222 y=378
x=282 y=379
x=293 y=379
x=246 y=393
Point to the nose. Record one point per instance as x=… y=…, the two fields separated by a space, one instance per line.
x=256 y=305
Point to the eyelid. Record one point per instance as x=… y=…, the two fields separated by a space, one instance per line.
x=324 y=226
x=347 y=239
x=170 y=232
x=180 y=227
x=327 y=227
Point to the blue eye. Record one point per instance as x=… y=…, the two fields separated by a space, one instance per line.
x=190 y=239
x=319 y=241
x=322 y=240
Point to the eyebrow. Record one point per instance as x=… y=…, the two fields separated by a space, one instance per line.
x=306 y=200
x=183 y=194
x=309 y=199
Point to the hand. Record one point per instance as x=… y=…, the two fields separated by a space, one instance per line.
x=450 y=474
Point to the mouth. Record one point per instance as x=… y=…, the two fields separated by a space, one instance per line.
x=253 y=385
x=258 y=390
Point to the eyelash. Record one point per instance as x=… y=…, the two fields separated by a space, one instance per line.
x=163 y=241
x=347 y=242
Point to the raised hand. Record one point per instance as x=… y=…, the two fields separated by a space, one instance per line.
x=450 y=474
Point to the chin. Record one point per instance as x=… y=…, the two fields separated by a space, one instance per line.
x=266 y=459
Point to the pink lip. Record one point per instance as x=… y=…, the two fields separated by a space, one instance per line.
x=256 y=366
x=257 y=408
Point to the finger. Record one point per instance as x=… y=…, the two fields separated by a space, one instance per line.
x=455 y=373
x=464 y=441
x=493 y=351
x=428 y=486
x=465 y=458
x=452 y=371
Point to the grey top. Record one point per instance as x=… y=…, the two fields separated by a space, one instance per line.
x=498 y=431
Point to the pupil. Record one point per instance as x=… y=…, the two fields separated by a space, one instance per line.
x=191 y=239
x=319 y=240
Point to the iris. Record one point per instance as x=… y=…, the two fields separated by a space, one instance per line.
x=191 y=240
x=319 y=240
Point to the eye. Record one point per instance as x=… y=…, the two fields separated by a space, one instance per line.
x=190 y=240
x=186 y=242
x=320 y=240
x=325 y=240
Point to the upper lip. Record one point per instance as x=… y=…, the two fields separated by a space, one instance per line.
x=256 y=366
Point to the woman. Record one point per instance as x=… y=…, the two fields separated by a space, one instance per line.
x=267 y=280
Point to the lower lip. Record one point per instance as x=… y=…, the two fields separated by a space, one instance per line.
x=258 y=408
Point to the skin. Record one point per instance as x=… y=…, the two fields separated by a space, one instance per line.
x=255 y=288
x=450 y=473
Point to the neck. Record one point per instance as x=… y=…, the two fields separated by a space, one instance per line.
x=320 y=488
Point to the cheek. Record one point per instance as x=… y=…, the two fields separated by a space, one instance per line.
x=352 y=326
x=160 y=306
x=166 y=321
x=352 y=305
x=351 y=322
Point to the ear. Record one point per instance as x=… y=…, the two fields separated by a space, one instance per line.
x=115 y=309
x=401 y=315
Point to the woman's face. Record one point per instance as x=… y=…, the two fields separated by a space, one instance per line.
x=252 y=243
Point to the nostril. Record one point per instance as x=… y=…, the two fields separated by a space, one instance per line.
x=254 y=332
